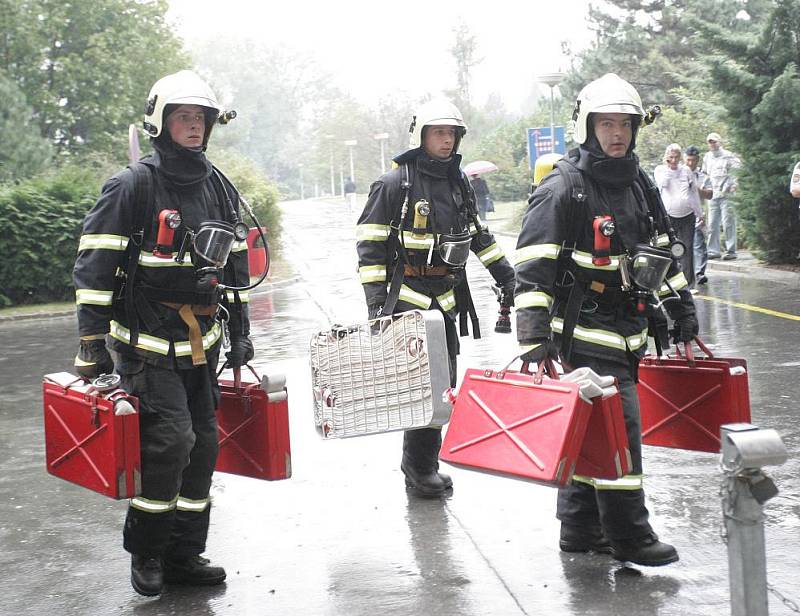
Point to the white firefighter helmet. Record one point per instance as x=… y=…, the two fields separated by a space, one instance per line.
x=181 y=88
x=608 y=94
x=436 y=112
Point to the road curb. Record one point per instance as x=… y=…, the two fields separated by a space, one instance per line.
x=51 y=314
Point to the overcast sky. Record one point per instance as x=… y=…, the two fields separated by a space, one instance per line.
x=376 y=46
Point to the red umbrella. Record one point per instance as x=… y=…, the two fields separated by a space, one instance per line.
x=479 y=166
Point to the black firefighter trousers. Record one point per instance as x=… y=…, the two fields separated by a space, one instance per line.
x=621 y=514
x=178 y=433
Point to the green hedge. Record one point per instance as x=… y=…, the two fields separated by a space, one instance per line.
x=41 y=227
x=42 y=220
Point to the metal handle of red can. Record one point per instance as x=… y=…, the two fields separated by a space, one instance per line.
x=545 y=367
x=687 y=346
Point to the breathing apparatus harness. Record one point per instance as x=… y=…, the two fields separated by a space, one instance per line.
x=453 y=249
x=210 y=244
x=642 y=268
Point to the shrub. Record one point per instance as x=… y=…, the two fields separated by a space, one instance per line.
x=42 y=225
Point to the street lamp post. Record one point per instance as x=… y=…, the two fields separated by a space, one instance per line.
x=382 y=137
x=333 y=177
x=351 y=143
x=302 y=187
x=552 y=80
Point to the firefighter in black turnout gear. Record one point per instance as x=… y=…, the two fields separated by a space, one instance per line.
x=594 y=257
x=161 y=239
x=416 y=259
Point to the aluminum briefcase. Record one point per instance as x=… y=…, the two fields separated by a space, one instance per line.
x=383 y=375
x=518 y=425
x=253 y=427
x=684 y=401
x=86 y=442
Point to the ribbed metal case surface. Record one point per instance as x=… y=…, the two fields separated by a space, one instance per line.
x=383 y=375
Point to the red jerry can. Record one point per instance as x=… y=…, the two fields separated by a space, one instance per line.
x=257 y=253
x=85 y=442
x=517 y=424
x=605 y=453
x=253 y=428
x=684 y=400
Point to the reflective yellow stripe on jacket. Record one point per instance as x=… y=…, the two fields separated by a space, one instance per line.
x=627 y=482
x=161 y=346
x=491 y=254
x=372 y=233
x=603 y=337
x=372 y=273
x=102 y=241
x=536 y=251
x=96 y=297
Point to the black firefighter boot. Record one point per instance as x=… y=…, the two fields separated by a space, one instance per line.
x=420 y=462
x=192 y=571
x=147 y=577
x=625 y=520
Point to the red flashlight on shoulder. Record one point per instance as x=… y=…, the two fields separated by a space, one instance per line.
x=603 y=230
x=168 y=221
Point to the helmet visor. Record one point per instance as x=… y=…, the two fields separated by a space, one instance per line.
x=213 y=242
x=454 y=249
x=649 y=267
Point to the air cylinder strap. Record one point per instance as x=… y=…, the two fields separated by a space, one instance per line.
x=187 y=313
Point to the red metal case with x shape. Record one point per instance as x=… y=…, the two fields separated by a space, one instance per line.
x=86 y=443
x=253 y=431
x=506 y=423
x=683 y=402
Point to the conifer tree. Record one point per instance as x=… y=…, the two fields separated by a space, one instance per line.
x=759 y=78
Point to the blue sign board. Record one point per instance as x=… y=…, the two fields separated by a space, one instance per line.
x=539 y=142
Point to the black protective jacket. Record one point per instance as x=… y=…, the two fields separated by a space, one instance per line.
x=555 y=247
x=112 y=228
x=452 y=201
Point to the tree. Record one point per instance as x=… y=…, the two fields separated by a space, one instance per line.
x=463 y=50
x=760 y=78
x=653 y=44
x=86 y=67
x=24 y=152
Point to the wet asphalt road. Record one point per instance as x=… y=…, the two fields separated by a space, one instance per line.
x=343 y=536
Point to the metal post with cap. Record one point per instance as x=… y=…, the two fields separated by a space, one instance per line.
x=745 y=449
x=552 y=80
x=382 y=137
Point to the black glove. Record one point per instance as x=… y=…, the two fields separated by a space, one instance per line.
x=375 y=311
x=685 y=330
x=544 y=348
x=93 y=359
x=241 y=352
x=508 y=291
